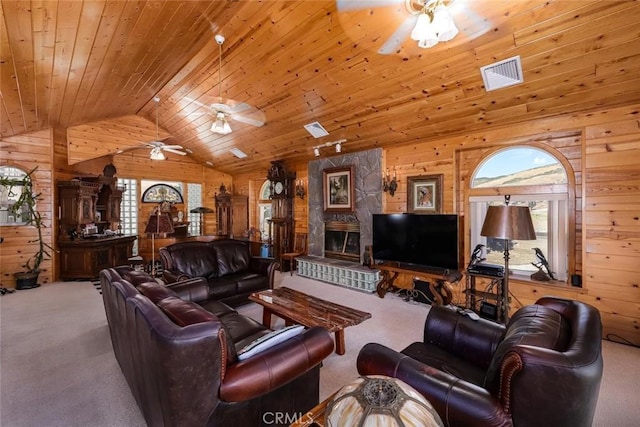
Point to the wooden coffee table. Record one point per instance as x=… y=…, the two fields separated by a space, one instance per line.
x=297 y=307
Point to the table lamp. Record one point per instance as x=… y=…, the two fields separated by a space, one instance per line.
x=377 y=400
x=508 y=223
x=159 y=223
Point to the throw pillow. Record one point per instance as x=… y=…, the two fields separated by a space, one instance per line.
x=269 y=340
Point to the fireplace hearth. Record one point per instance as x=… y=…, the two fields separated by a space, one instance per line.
x=342 y=240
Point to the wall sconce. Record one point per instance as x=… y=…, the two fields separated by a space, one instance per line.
x=338 y=145
x=300 y=189
x=389 y=183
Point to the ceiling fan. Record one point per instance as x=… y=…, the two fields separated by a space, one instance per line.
x=226 y=108
x=157 y=146
x=409 y=26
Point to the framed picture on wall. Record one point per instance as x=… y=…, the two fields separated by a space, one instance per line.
x=424 y=194
x=338 y=189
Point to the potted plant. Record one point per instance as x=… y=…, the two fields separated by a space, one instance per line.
x=25 y=208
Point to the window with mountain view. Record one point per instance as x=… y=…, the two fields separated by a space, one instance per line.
x=534 y=178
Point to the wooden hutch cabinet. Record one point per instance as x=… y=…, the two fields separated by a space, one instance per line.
x=89 y=215
x=77 y=202
x=232 y=214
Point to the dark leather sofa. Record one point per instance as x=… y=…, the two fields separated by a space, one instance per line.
x=227 y=265
x=178 y=352
x=543 y=369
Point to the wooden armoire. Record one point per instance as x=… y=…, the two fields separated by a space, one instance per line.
x=232 y=214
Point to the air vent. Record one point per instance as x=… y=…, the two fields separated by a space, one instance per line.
x=502 y=74
x=316 y=130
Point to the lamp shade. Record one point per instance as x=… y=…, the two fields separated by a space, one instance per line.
x=508 y=222
x=377 y=400
x=159 y=223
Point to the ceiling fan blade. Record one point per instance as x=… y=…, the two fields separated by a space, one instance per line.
x=344 y=5
x=172 y=147
x=470 y=23
x=171 y=150
x=240 y=107
x=393 y=43
x=248 y=120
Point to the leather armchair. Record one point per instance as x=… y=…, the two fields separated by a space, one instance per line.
x=543 y=369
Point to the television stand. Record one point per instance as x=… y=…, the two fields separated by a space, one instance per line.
x=439 y=285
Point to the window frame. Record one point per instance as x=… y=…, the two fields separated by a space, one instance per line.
x=563 y=254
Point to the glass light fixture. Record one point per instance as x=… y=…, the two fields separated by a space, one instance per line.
x=157 y=154
x=424 y=33
x=316 y=151
x=220 y=125
x=444 y=25
x=434 y=24
x=338 y=147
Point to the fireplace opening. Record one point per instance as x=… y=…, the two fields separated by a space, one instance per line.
x=342 y=240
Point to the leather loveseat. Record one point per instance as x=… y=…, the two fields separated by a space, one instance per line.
x=231 y=272
x=180 y=358
x=543 y=369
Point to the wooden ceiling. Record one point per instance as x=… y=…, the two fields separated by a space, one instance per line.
x=81 y=64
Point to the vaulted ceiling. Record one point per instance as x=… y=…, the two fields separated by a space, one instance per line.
x=90 y=66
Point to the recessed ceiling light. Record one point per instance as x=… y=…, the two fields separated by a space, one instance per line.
x=316 y=130
x=238 y=153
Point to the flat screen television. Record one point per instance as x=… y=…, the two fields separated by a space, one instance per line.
x=417 y=241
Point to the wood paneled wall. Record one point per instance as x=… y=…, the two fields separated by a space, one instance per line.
x=137 y=165
x=26 y=152
x=250 y=183
x=612 y=225
x=601 y=149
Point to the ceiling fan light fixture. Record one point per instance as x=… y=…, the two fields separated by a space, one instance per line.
x=220 y=125
x=424 y=33
x=434 y=24
x=157 y=154
x=444 y=25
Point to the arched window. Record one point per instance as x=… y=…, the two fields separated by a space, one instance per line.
x=531 y=177
x=12 y=181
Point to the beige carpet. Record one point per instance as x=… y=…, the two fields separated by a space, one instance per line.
x=57 y=367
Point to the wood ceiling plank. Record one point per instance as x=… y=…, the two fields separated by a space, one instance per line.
x=44 y=25
x=103 y=39
x=117 y=22
x=87 y=29
x=557 y=23
x=67 y=13
x=109 y=136
x=21 y=77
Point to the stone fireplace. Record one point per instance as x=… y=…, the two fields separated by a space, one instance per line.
x=342 y=240
x=345 y=244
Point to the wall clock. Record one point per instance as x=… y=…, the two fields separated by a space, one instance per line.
x=279 y=188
